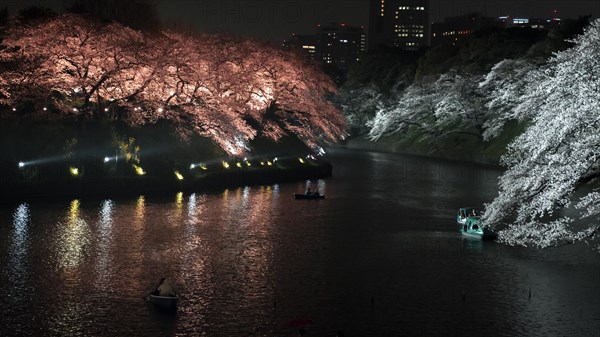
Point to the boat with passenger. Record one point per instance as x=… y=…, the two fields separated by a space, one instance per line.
x=164 y=296
x=315 y=195
x=474 y=229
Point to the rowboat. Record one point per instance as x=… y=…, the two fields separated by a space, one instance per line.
x=308 y=196
x=163 y=302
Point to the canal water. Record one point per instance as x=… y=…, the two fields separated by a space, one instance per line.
x=380 y=256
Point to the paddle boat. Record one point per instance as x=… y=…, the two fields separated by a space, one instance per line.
x=472 y=228
x=163 y=302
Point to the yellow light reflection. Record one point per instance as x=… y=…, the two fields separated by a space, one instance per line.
x=225 y=164
x=74 y=238
x=238 y=165
x=74 y=171
x=301 y=160
x=179 y=200
x=140 y=209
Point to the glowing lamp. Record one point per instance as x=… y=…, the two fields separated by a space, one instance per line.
x=225 y=164
x=106 y=159
x=193 y=166
x=21 y=164
x=74 y=171
x=269 y=163
x=178 y=175
x=238 y=164
x=301 y=160
x=203 y=167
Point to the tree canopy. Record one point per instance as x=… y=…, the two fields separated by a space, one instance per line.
x=558 y=152
x=220 y=87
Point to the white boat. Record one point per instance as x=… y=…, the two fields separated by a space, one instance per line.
x=473 y=229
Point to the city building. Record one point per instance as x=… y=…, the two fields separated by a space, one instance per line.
x=402 y=24
x=453 y=29
x=305 y=43
x=340 y=44
x=335 y=44
x=509 y=21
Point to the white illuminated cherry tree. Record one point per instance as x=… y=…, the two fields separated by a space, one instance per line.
x=504 y=87
x=434 y=108
x=221 y=87
x=542 y=201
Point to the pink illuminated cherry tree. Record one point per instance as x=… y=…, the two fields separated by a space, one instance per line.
x=224 y=88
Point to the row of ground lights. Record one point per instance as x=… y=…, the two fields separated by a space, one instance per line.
x=74 y=171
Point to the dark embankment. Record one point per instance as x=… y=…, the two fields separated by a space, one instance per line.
x=43 y=160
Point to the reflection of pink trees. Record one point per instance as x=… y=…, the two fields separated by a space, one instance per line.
x=219 y=87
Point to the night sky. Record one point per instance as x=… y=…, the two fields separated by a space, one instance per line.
x=276 y=20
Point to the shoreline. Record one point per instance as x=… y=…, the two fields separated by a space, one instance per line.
x=388 y=146
x=132 y=186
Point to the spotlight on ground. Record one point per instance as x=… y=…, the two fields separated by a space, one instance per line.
x=74 y=171
x=178 y=175
x=138 y=170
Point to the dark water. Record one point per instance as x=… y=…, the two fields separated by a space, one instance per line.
x=379 y=257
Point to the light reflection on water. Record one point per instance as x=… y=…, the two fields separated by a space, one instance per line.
x=377 y=257
x=19 y=242
x=104 y=267
x=74 y=237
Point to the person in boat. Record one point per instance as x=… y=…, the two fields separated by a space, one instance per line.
x=164 y=288
x=308 y=191
x=155 y=292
